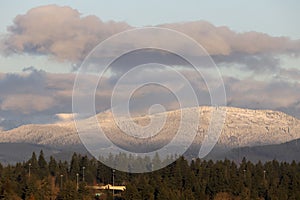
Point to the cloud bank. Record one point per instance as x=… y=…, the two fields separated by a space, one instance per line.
x=61 y=32
x=224 y=41
x=39 y=93
x=65 y=34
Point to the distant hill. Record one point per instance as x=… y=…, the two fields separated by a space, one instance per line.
x=11 y=153
x=18 y=152
x=282 y=152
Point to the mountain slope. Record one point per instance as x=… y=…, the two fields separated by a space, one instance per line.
x=50 y=134
x=243 y=127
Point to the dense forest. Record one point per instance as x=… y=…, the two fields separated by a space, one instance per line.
x=40 y=179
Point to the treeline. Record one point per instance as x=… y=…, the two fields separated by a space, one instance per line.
x=199 y=179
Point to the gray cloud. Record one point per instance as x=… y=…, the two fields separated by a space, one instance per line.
x=58 y=31
x=39 y=96
x=292 y=74
x=275 y=94
x=38 y=93
x=258 y=63
x=27 y=103
x=27 y=93
x=224 y=41
x=29 y=69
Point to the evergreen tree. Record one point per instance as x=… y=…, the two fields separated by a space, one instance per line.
x=53 y=168
x=74 y=168
x=33 y=164
x=162 y=193
x=131 y=193
x=43 y=166
x=199 y=179
x=68 y=192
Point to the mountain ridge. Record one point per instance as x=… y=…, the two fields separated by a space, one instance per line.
x=242 y=127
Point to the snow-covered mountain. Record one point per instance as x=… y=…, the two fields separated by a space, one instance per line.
x=242 y=127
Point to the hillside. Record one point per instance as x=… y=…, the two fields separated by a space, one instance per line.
x=243 y=127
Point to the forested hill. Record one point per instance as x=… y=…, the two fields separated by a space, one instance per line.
x=199 y=179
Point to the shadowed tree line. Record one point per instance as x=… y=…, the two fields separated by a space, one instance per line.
x=198 y=179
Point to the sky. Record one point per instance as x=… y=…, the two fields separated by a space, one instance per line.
x=255 y=44
x=272 y=17
x=241 y=16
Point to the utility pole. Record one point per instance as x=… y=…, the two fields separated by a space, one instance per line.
x=83 y=173
x=77 y=185
x=61 y=180
x=152 y=167
x=294 y=130
x=264 y=174
x=29 y=165
x=113 y=183
x=239 y=148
